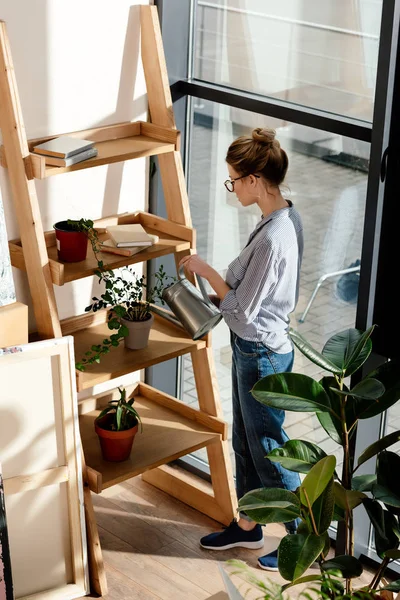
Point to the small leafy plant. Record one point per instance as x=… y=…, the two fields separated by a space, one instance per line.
x=324 y=495
x=86 y=226
x=129 y=298
x=122 y=412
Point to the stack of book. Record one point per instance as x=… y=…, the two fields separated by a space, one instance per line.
x=127 y=240
x=65 y=151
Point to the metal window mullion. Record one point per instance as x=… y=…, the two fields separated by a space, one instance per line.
x=386 y=96
x=286 y=111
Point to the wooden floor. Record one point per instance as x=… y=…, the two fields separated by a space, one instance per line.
x=151 y=549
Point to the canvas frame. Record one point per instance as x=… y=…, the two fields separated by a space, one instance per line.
x=59 y=354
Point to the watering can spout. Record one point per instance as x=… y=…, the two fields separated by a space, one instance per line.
x=191 y=308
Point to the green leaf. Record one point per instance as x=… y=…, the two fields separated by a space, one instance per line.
x=349 y=566
x=367 y=389
x=387 y=489
x=338 y=513
x=394 y=554
x=385 y=527
x=124 y=331
x=317 y=479
x=349 y=349
x=327 y=544
x=134 y=413
x=378 y=446
x=384 y=495
x=270 y=505
x=387 y=464
x=297 y=455
x=113 y=324
x=322 y=509
x=104 y=412
x=119 y=417
x=316 y=357
x=388 y=375
x=120 y=311
x=297 y=552
x=331 y=422
x=331 y=426
x=291 y=391
x=395 y=585
x=347 y=499
x=305 y=579
x=363 y=483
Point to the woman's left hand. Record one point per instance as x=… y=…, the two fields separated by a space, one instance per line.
x=195 y=264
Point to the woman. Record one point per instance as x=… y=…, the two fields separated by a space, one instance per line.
x=259 y=293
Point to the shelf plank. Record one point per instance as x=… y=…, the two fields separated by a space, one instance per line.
x=166 y=341
x=172 y=238
x=114 y=143
x=112 y=151
x=167 y=435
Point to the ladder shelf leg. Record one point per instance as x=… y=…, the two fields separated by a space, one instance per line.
x=220 y=501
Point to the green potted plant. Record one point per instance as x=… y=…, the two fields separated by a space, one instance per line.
x=129 y=298
x=324 y=495
x=116 y=427
x=72 y=239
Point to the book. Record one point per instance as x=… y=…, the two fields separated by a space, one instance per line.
x=129 y=235
x=63 y=146
x=109 y=246
x=71 y=160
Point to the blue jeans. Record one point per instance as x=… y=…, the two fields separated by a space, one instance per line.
x=257 y=429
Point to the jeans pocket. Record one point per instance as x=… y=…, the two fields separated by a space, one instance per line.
x=280 y=363
x=246 y=348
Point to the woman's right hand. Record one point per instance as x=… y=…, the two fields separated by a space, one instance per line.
x=194 y=264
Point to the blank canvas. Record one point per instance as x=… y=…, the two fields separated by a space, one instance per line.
x=40 y=451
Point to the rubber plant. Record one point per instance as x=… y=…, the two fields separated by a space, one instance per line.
x=324 y=495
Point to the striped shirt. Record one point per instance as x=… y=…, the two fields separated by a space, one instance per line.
x=264 y=281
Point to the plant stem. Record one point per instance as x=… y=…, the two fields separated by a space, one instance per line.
x=311 y=513
x=349 y=543
x=379 y=573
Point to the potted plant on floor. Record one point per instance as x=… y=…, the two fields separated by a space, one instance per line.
x=129 y=298
x=116 y=427
x=324 y=495
x=72 y=239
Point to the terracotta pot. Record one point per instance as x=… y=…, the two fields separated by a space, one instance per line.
x=71 y=244
x=115 y=446
x=139 y=332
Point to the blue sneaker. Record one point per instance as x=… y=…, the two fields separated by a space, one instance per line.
x=233 y=536
x=269 y=562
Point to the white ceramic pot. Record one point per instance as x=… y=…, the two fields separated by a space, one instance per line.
x=139 y=332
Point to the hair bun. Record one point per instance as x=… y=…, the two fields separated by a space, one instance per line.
x=264 y=136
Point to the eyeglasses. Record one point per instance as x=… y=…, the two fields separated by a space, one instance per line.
x=230 y=183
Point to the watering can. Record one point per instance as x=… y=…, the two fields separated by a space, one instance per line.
x=192 y=308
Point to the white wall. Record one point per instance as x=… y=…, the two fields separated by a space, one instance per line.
x=77 y=66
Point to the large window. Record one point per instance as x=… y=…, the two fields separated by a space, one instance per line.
x=329 y=193
x=321 y=54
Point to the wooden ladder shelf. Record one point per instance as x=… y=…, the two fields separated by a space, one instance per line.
x=172 y=429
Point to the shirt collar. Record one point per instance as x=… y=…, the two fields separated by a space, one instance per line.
x=267 y=218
